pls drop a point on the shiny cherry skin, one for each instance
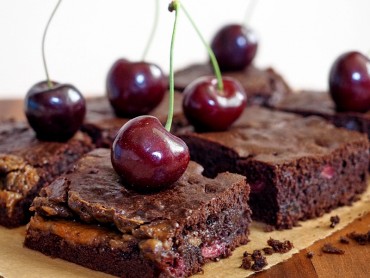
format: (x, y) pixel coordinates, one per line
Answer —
(146, 156)
(209, 109)
(349, 82)
(235, 47)
(135, 88)
(56, 113)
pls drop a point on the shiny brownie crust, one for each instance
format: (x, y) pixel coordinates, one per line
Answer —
(298, 168)
(27, 164)
(170, 233)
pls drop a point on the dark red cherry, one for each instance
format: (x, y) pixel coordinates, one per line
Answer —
(135, 88)
(349, 82)
(147, 156)
(234, 46)
(209, 109)
(54, 113)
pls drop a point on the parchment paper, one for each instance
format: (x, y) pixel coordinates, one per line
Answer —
(18, 262)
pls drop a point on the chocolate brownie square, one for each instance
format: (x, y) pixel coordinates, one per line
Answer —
(27, 164)
(261, 85)
(102, 125)
(90, 218)
(298, 168)
(308, 103)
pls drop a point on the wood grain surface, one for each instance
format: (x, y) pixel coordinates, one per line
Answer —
(354, 263)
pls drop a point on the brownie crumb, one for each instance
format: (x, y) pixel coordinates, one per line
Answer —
(361, 239)
(268, 228)
(246, 254)
(310, 255)
(268, 250)
(259, 263)
(280, 246)
(344, 240)
(330, 249)
(334, 220)
(256, 254)
(246, 263)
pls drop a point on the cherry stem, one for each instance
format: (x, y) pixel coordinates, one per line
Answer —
(174, 6)
(249, 11)
(152, 32)
(50, 85)
(216, 67)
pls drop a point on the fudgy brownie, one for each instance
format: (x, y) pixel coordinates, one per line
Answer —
(298, 168)
(102, 125)
(308, 103)
(88, 217)
(27, 164)
(261, 86)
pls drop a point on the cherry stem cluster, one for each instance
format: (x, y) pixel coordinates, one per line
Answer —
(153, 31)
(50, 85)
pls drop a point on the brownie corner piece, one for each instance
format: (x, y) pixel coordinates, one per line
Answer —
(170, 233)
(27, 164)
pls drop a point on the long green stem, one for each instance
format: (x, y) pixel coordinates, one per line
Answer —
(50, 85)
(152, 32)
(175, 6)
(212, 56)
(249, 11)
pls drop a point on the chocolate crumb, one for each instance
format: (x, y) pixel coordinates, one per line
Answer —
(246, 263)
(334, 220)
(280, 246)
(246, 254)
(344, 240)
(256, 254)
(268, 250)
(310, 255)
(259, 263)
(268, 228)
(361, 239)
(330, 249)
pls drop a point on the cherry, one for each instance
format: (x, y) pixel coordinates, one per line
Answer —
(234, 46)
(54, 113)
(147, 156)
(349, 82)
(208, 108)
(135, 88)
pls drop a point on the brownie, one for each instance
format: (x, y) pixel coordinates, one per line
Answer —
(27, 164)
(102, 125)
(298, 168)
(90, 218)
(261, 85)
(308, 103)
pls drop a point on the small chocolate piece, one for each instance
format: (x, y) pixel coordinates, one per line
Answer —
(310, 254)
(344, 240)
(259, 263)
(334, 220)
(280, 246)
(330, 249)
(256, 254)
(246, 263)
(246, 254)
(268, 251)
(361, 239)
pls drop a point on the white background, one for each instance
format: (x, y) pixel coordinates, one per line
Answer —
(300, 38)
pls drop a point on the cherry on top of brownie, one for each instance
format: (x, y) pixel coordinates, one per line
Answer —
(261, 85)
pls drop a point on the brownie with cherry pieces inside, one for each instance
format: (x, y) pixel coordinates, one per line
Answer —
(90, 218)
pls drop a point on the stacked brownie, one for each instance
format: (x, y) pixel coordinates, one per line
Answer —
(27, 164)
(89, 217)
(261, 86)
(298, 168)
(102, 125)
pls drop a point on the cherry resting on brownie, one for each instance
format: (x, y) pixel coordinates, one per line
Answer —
(135, 88)
(147, 156)
(349, 82)
(234, 46)
(55, 113)
(207, 108)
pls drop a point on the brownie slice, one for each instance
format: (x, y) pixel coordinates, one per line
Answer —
(27, 164)
(261, 86)
(308, 103)
(102, 124)
(298, 168)
(90, 218)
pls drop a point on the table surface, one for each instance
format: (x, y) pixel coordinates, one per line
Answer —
(354, 263)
